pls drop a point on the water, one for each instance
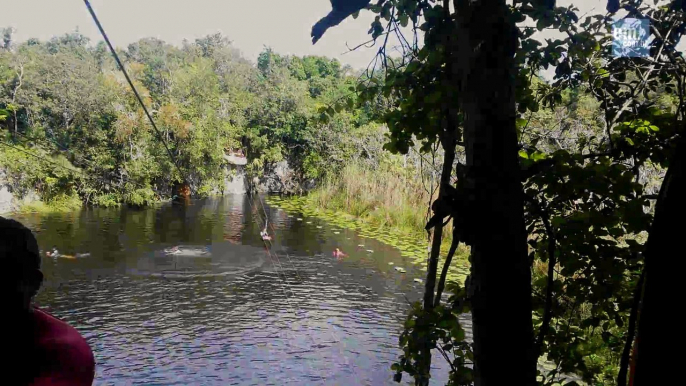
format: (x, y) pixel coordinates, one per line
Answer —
(233, 313)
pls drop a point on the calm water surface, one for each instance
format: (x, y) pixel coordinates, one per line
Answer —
(233, 313)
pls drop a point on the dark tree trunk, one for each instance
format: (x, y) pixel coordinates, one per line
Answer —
(660, 322)
(446, 172)
(448, 143)
(500, 278)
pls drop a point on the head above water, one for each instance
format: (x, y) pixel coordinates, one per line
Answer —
(20, 261)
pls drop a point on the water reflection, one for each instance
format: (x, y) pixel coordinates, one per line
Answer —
(235, 314)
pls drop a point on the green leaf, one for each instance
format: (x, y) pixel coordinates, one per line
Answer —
(412, 67)
(459, 335)
(433, 97)
(404, 20)
(540, 25)
(537, 156)
(558, 221)
(523, 154)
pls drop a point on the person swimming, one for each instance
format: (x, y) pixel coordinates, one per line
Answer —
(54, 253)
(172, 251)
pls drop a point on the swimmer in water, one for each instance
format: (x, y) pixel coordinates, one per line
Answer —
(52, 253)
(172, 250)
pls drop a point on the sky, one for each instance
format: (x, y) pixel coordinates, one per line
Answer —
(283, 25)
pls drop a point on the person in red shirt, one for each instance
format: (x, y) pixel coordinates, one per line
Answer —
(42, 350)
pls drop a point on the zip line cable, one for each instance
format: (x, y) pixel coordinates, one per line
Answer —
(133, 88)
(281, 284)
(269, 253)
(269, 244)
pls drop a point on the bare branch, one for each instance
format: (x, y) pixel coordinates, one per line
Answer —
(446, 266)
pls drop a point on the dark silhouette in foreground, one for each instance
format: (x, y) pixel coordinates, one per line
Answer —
(42, 350)
(341, 10)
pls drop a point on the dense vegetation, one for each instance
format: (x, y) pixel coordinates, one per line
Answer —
(582, 155)
(72, 130)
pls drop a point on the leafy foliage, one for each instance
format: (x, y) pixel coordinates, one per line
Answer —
(67, 97)
(594, 142)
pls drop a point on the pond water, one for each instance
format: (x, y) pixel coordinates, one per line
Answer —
(223, 309)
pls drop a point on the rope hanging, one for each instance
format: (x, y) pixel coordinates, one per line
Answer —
(268, 244)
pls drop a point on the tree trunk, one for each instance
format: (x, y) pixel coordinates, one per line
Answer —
(446, 172)
(500, 278)
(448, 142)
(660, 322)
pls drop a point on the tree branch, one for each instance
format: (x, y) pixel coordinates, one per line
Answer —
(540, 166)
(448, 159)
(447, 359)
(446, 266)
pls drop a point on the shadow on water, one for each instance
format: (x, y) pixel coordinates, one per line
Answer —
(220, 308)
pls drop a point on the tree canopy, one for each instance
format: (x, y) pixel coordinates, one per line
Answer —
(66, 99)
(593, 144)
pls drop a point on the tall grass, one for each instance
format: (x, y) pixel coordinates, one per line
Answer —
(386, 196)
(60, 203)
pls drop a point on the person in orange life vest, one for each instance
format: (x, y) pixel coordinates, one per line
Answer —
(42, 350)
